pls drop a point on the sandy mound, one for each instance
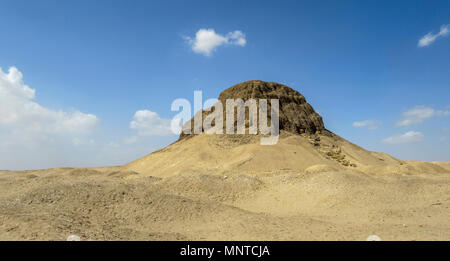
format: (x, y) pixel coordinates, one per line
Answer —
(221, 154)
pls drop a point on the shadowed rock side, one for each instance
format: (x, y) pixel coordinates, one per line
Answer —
(295, 116)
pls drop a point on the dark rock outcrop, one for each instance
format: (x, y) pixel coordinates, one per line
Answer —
(295, 114)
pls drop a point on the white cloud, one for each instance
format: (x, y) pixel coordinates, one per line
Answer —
(443, 113)
(429, 38)
(416, 115)
(370, 124)
(148, 123)
(20, 114)
(206, 41)
(408, 137)
(419, 114)
(33, 136)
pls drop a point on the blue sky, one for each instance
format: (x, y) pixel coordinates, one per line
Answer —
(94, 64)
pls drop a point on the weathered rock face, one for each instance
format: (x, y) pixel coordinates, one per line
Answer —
(295, 114)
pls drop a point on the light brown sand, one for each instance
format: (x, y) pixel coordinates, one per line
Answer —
(231, 188)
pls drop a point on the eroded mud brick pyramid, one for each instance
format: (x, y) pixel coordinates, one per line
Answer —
(295, 114)
(304, 145)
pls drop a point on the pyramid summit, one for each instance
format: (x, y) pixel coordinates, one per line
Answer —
(295, 114)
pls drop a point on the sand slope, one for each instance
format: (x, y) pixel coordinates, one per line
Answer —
(244, 154)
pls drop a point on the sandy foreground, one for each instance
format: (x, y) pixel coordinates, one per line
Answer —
(216, 188)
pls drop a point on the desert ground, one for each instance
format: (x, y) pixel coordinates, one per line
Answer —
(230, 188)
